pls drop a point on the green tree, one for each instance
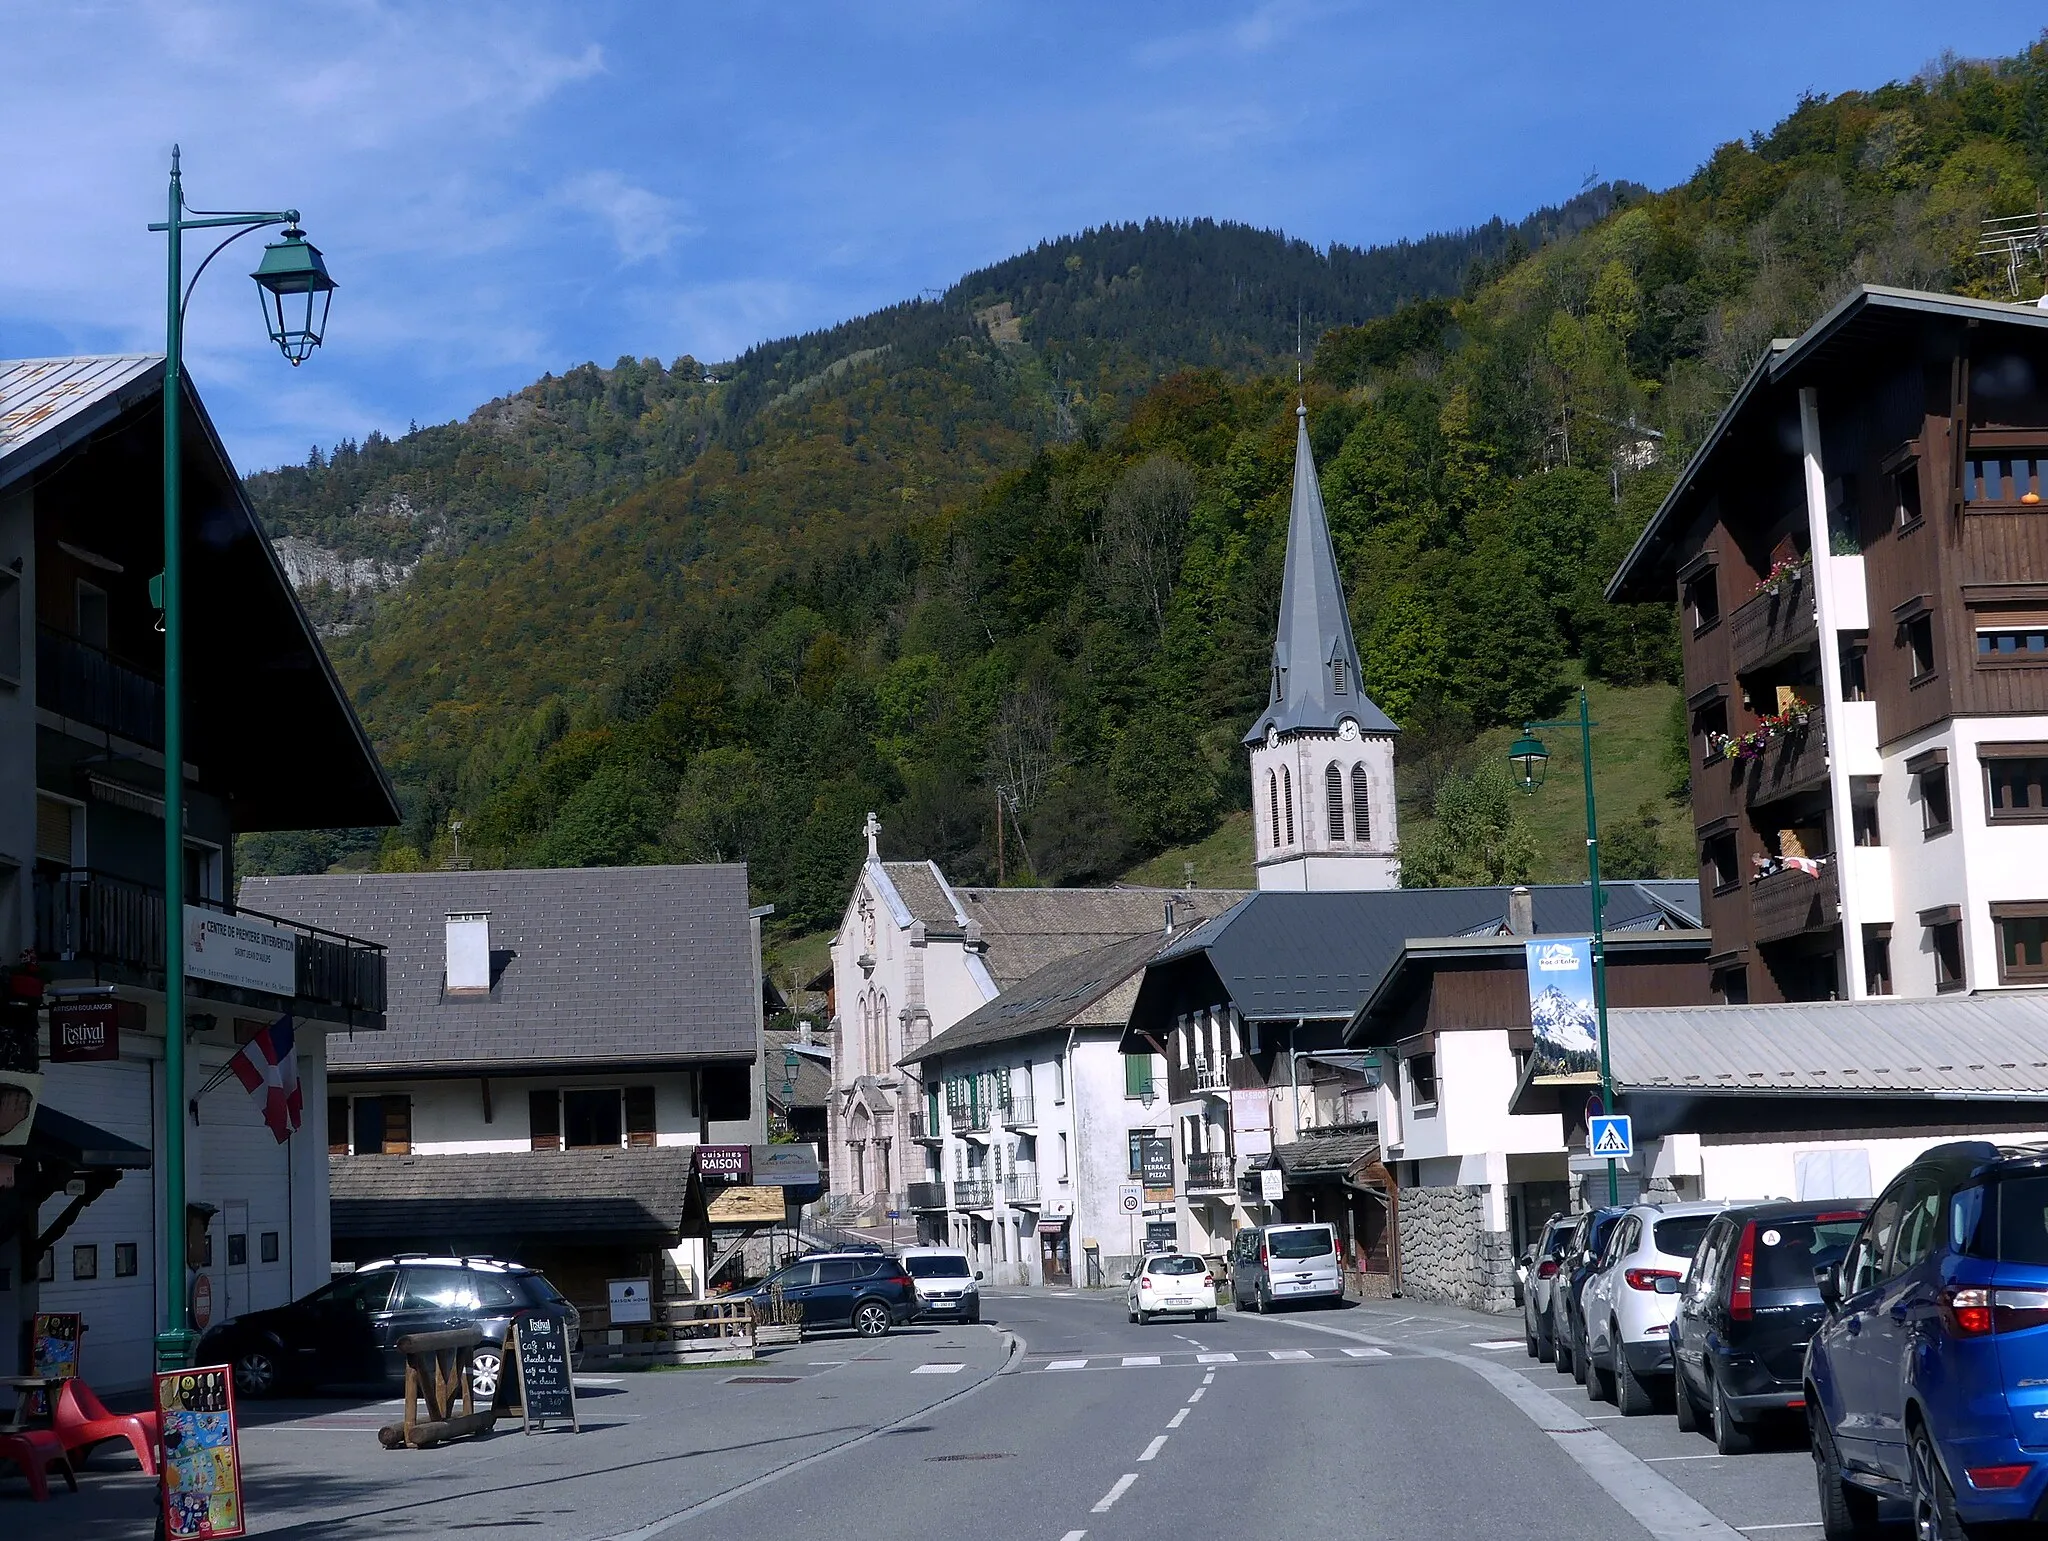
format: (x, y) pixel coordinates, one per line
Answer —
(1164, 788)
(1478, 837)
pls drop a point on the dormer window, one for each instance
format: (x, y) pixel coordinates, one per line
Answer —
(1337, 680)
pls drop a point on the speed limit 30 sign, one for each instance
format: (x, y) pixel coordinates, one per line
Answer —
(1130, 1198)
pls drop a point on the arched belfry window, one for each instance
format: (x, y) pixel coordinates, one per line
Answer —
(1273, 798)
(1338, 683)
(1287, 796)
(1361, 802)
(1333, 784)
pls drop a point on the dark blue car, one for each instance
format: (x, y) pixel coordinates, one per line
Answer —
(1581, 1253)
(1929, 1380)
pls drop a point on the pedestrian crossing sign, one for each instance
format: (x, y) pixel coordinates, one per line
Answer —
(1610, 1134)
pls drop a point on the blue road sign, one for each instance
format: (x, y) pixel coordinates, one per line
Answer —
(1611, 1134)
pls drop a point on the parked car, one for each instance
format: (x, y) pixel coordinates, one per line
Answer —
(1540, 1265)
(1928, 1380)
(1589, 1235)
(346, 1332)
(947, 1285)
(1630, 1298)
(1171, 1282)
(869, 1292)
(1273, 1264)
(1751, 1302)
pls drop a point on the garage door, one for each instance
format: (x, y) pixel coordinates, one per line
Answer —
(242, 1173)
(104, 1267)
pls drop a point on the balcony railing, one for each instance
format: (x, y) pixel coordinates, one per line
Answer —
(1019, 1113)
(105, 922)
(76, 679)
(925, 1129)
(1210, 1077)
(1210, 1169)
(927, 1195)
(970, 1117)
(1772, 626)
(1793, 762)
(1021, 1188)
(972, 1193)
(1790, 903)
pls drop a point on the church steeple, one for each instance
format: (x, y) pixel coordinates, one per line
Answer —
(1316, 678)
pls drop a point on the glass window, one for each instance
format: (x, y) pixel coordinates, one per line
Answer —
(1946, 940)
(591, 1120)
(1788, 1251)
(1174, 1265)
(1421, 1079)
(1866, 1262)
(266, 1247)
(1680, 1237)
(1138, 1077)
(371, 1291)
(929, 1267)
(1919, 633)
(2016, 788)
(495, 1291)
(539, 1291)
(839, 1270)
(1919, 1228)
(1935, 815)
(85, 1261)
(437, 1289)
(1877, 960)
(2012, 644)
(1307, 1241)
(1703, 600)
(124, 1259)
(2023, 1220)
(2022, 947)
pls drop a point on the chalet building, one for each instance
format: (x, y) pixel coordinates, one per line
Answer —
(270, 743)
(567, 1050)
(1253, 1014)
(1860, 555)
(913, 956)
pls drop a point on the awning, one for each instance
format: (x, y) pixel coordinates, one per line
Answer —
(59, 1136)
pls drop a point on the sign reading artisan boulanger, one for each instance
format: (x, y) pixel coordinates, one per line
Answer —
(86, 1028)
(233, 950)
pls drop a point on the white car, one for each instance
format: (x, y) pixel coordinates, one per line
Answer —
(1631, 1298)
(1171, 1282)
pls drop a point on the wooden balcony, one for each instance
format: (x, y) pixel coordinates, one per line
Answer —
(1790, 903)
(1771, 627)
(1210, 1075)
(1792, 763)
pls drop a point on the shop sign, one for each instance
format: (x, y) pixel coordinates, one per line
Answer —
(234, 950)
(85, 1028)
(725, 1163)
(1156, 1154)
(1161, 1235)
(1272, 1184)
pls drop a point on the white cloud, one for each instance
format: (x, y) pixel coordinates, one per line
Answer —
(643, 224)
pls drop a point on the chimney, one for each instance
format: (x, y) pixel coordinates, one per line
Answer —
(803, 1030)
(1521, 912)
(1169, 916)
(469, 954)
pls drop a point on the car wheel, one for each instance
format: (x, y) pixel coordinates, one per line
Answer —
(1934, 1501)
(1730, 1437)
(1143, 1318)
(1599, 1380)
(485, 1366)
(871, 1319)
(1847, 1512)
(1579, 1365)
(1561, 1354)
(1529, 1338)
(974, 1316)
(1265, 1300)
(1546, 1348)
(1631, 1396)
(1682, 1404)
(256, 1371)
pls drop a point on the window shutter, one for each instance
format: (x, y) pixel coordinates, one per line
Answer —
(397, 1125)
(53, 830)
(1333, 786)
(1287, 796)
(1361, 812)
(544, 1115)
(337, 1126)
(640, 1115)
(1137, 1075)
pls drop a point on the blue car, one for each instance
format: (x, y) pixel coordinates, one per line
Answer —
(1928, 1382)
(1575, 1267)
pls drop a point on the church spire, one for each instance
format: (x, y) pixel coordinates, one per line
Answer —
(1316, 682)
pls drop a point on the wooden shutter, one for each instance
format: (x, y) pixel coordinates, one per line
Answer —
(337, 1126)
(397, 1125)
(53, 830)
(639, 1115)
(1137, 1075)
(544, 1113)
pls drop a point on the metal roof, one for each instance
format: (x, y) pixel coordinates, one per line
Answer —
(1985, 1046)
(1825, 339)
(49, 404)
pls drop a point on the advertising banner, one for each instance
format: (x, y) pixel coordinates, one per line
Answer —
(202, 1470)
(85, 1028)
(1157, 1154)
(233, 950)
(1561, 1005)
(725, 1163)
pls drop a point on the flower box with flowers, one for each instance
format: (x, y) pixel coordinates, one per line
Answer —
(1785, 576)
(1741, 748)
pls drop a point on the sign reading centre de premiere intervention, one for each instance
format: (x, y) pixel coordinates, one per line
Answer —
(233, 950)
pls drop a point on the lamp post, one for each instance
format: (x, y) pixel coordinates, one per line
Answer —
(1531, 759)
(295, 292)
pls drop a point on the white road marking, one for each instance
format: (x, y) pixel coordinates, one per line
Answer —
(1068, 1364)
(1073, 1535)
(938, 1369)
(1289, 1353)
(1366, 1353)
(1196, 1394)
(1123, 1486)
(1788, 1525)
(1215, 1359)
(1177, 1419)
(815, 1364)
(1657, 1460)
(599, 1380)
(1134, 1359)
(1158, 1444)
(1493, 1345)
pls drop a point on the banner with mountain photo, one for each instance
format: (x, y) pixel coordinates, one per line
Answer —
(1561, 1005)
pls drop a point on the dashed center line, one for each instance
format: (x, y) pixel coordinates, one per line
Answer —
(1177, 1419)
(1123, 1486)
(1158, 1444)
(1196, 1396)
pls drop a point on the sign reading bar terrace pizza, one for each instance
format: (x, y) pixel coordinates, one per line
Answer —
(725, 1163)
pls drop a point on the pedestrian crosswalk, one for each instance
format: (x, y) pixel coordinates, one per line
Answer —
(1045, 1362)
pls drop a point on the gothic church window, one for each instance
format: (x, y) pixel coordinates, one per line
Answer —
(1361, 818)
(1333, 784)
(1273, 797)
(1287, 796)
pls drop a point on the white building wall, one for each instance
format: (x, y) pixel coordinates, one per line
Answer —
(1771, 1170)
(1311, 860)
(448, 1114)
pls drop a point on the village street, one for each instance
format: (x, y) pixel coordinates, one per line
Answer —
(1386, 1420)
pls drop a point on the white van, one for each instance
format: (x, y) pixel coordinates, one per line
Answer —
(1274, 1264)
(947, 1285)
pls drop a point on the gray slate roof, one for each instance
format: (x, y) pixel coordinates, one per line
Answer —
(1027, 928)
(1283, 955)
(1315, 626)
(429, 1202)
(813, 1087)
(1056, 996)
(923, 893)
(1326, 1153)
(607, 965)
(1987, 1046)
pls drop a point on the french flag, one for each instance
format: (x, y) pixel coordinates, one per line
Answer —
(268, 1066)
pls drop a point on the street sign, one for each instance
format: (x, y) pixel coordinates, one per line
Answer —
(1130, 1198)
(1611, 1135)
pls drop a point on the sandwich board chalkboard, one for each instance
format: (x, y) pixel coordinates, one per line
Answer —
(547, 1387)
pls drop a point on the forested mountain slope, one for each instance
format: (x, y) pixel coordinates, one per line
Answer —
(981, 549)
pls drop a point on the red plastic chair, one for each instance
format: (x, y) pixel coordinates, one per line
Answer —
(35, 1451)
(82, 1423)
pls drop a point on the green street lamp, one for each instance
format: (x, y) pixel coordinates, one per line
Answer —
(293, 285)
(1531, 759)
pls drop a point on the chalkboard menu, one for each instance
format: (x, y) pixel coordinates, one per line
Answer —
(546, 1387)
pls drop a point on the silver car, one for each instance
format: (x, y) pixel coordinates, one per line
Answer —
(1541, 1264)
(1273, 1264)
(1630, 1299)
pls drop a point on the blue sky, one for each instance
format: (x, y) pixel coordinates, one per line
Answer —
(512, 188)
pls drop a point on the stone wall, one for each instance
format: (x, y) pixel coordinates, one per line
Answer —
(1448, 1255)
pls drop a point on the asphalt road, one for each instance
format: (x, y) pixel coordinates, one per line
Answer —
(1058, 1420)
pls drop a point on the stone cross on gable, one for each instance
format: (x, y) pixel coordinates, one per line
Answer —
(872, 829)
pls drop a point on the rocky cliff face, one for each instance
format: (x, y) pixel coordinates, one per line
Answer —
(310, 567)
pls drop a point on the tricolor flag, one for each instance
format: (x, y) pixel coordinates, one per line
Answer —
(268, 1065)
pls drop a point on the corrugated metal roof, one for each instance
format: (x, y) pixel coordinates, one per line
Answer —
(48, 404)
(1974, 1046)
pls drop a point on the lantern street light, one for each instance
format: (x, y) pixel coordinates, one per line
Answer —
(1531, 759)
(295, 291)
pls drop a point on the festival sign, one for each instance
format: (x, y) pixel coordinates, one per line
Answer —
(202, 1466)
(1561, 1006)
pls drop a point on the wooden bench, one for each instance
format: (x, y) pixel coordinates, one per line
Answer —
(440, 1369)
